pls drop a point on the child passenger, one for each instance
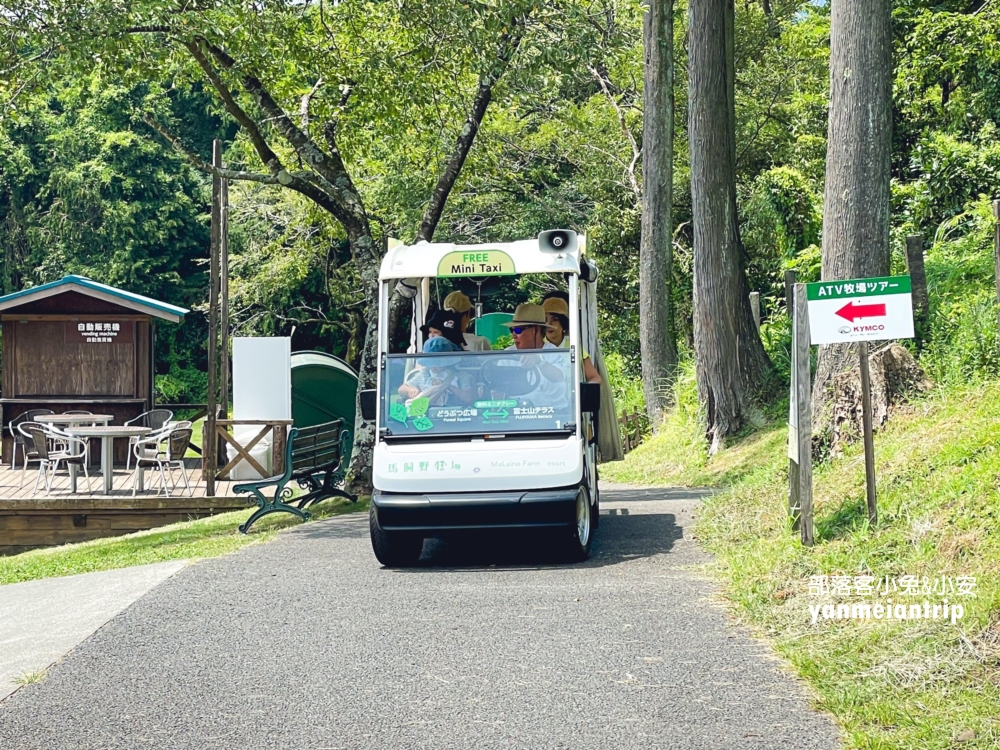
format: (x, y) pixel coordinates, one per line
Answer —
(435, 379)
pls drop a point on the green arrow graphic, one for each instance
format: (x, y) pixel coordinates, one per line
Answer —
(502, 414)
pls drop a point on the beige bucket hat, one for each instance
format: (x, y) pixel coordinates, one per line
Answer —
(457, 302)
(529, 315)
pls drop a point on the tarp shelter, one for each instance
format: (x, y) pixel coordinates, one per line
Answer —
(491, 325)
(324, 388)
(78, 344)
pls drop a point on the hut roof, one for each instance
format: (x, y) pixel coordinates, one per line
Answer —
(90, 288)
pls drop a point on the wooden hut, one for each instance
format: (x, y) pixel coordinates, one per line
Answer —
(78, 344)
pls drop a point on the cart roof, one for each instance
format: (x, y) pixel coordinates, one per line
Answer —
(448, 260)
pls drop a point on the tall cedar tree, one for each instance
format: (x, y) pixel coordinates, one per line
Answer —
(656, 330)
(733, 370)
(856, 199)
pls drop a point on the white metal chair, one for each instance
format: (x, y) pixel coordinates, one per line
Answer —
(28, 453)
(155, 419)
(163, 451)
(61, 438)
(158, 435)
(49, 459)
(20, 438)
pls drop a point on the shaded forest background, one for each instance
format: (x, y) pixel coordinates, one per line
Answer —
(87, 187)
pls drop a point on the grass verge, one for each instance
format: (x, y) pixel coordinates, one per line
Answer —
(924, 684)
(203, 537)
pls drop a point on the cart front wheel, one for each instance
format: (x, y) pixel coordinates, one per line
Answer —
(394, 549)
(581, 531)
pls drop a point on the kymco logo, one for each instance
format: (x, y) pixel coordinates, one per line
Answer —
(869, 329)
(844, 329)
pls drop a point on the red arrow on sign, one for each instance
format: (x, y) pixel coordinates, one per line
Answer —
(852, 312)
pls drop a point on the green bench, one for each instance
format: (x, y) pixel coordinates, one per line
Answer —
(313, 459)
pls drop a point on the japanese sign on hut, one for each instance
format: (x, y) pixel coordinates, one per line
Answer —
(78, 344)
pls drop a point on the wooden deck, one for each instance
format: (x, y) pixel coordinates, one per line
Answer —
(11, 487)
(31, 519)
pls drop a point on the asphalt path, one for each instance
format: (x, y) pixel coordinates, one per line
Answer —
(306, 642)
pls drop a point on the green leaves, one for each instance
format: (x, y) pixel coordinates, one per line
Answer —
(417, 410)
(423, 424)
(398, 412)
(418, 407)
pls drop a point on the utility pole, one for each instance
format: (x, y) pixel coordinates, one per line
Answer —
(209, 447)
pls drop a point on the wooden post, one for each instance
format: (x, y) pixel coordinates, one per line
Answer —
(866, 419)
(918, 281)
(803, 413)
(794, 506)
(210, 441)
(755, 308)
(279, 442)
(224, 304)
(789, 292)
(996, 257)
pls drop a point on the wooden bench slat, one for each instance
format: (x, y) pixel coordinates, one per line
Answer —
(313, 444)
(309, 453)
(324, 437)
(319, 450)
(317, 463)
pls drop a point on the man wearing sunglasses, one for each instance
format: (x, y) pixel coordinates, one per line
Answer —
(528, 328)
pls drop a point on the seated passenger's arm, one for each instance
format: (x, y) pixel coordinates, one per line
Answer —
(590, 372)
(463, 389)
(552, 372)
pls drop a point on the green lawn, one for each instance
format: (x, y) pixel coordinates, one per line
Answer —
(205, 537)
(890, 684)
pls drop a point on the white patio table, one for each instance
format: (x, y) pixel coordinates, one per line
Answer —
(74, 420)
(107, 434)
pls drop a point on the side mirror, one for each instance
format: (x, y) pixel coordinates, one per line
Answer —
(590, 397)
(369, 402)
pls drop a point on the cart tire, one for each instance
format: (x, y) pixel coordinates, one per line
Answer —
(394, 549)
(581, 531)
(595, 521)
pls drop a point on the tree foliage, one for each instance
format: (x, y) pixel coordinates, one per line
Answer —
(88, 186)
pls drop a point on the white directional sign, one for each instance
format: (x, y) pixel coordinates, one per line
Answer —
(860, 310)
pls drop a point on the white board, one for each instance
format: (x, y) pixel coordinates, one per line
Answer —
(262, 378)
(876, 309)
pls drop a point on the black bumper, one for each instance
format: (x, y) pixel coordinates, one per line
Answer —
(476, 510)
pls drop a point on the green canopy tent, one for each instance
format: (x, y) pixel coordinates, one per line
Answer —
(324, 388)
(491, 325)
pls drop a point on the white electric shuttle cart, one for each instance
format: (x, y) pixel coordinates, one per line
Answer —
(513, 444)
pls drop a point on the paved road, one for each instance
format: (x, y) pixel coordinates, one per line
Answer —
(306, 642)
(40, 621)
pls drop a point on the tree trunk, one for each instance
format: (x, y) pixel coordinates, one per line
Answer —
(894, 375)
(656, 329)
(856, 200)
(507, 47)
(732, 366)
(359, 472)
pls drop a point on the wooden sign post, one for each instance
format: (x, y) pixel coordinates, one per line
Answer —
(996, 256)
(856, 311)
(866, 419)
(800, 422)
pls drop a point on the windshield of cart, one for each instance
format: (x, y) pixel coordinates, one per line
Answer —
(478, 393)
